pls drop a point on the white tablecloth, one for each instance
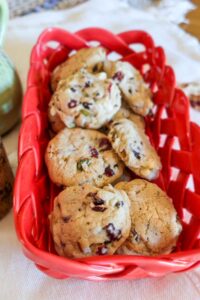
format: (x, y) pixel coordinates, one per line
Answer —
(19, 279)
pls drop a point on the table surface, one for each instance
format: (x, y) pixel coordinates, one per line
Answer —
(15, 269)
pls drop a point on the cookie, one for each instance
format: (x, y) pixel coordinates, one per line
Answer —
(125, 113)
(155, 226)
(56, 123)
(90, 221)
(192, 91)
(85, 100)
(90, 58)
(133, 146)
(134, 89)
(77, 156)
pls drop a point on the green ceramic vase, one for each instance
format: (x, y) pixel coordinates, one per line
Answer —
(10, 86)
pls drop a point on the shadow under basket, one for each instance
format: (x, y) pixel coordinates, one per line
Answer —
(176, 139)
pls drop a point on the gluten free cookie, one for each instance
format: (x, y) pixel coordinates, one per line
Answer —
(134, 89)
(133, 146)
(90, 221)
(84, 100)
(88, 58)
(155, 226)
(77, 156)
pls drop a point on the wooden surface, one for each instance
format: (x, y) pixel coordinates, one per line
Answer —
(193, 17)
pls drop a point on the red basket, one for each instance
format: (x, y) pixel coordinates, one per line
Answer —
(175, 137)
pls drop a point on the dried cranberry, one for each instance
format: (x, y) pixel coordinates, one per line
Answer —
(62, 244)
(72, 103)
(94, 152)
(150, 113)
(98, 201)
(104, 144)
(194, 103)
(87, 84)
(87, 105)
(109, 172)
(109, 87)
(119, 203)
(102, 250)
(66, 219)
(118, 75)
(99, 208)
(137, 154)
(113, 233)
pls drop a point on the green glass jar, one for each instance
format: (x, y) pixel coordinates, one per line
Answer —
(10, 86)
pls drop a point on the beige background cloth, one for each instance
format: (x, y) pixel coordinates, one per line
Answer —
(19, 278)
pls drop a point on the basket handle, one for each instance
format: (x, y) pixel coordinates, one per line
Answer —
(58, 35)
(80, 38)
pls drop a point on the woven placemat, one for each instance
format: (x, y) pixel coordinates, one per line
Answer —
(21, 7)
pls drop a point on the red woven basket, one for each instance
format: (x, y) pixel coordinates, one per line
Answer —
(170, 130)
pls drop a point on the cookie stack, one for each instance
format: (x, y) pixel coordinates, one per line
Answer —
(97, 114)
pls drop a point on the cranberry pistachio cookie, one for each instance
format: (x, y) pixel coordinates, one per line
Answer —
(84, 100)
(133, 146)
(134, 89)
(155, 226)
(77, 156)
(89, 58)
(90, 221)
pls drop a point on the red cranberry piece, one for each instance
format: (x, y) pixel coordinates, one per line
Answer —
(102, 250)
(119, 203)
(62, 244)
(96, 200)
(66, 219)
(86, 105)
(109, 172)
(109, 87)
(118, 75)
(99, 208)
(94, 153)
(87, 84)
(72, 103)
(112, 232)
(137, 154)
(195, 104)
(104, 144)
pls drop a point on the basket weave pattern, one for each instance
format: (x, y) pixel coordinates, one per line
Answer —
(169, 128)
